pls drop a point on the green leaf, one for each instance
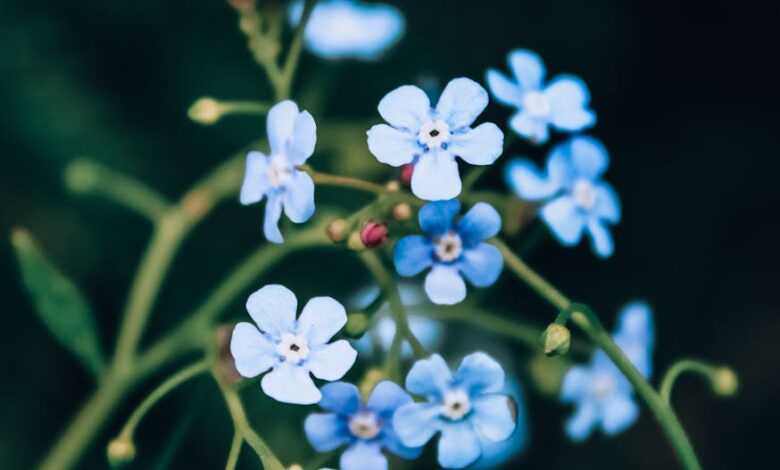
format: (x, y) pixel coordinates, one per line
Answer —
(59, 304)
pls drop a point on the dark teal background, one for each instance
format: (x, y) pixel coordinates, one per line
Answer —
(687, 97)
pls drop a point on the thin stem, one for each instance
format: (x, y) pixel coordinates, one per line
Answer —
(545, 290)
(343, 181)
(472, 177)
(252, 108)
(235, 451)
(391, 366)
(294, 53)
(708, 371)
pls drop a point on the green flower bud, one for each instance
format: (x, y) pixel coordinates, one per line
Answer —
(357, 324)
(556, 340)
(724, 382)
(120, 451)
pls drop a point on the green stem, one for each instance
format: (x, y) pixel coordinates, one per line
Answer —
(294, 53)
(708, 371)
(252, 108)
(472, 177)
(536, 282)
(235, 451)
(343, 181)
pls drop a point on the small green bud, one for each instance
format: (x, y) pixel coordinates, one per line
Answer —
(355, 242)
(81, 176)
(206, 111)
(120, 451)
(357, 324)
(725, 382)
(337, 230)
(556, 340)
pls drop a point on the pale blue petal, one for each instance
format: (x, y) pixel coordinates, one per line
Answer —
(635, 320)
(498, 454)
(482, 265)
(252, 351)
(503, 89)
(601, 239)
(290, 384)
(428, 377)
(304, 139)
(299, 197)
(256, 182)
(528, 182)
(273, 308)
(607, 204)
(363, 455)
(412, 254)
(580, 425)
(273, 211)
(568, 97)
(530, 127)
(280, 125)
(528, 69)
(331, 362)
(493, 417)
(619, 413)
(416, 423)
(436, 176)
(341, 398)
(479, 373)
(436, 218)
(575, 384)
(588, 156)
(326, 431)
(461, 102)
(559, 166)
(386, 397)
(392, 146)
(321, 319)
(564, 219)
(481, 222)
(458, 445)
(444, 285)
(392, 443)
(479, 146)
(406, 107)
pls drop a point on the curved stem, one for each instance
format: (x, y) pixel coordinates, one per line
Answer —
(294, 53)
(235, 451)
(680, 367)
(252, 108)
(343, 181)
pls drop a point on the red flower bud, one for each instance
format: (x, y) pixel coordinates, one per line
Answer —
(373, 234)
(406, 174)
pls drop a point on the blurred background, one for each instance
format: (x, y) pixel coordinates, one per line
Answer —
(686, 95)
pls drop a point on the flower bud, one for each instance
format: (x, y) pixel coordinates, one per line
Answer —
(402, 212)
(556, 340)
(357, 324)
(205, 111)
(337, 230)
(81, 176)
(120, 451)
(242, 5)
(373, 234)
(406, 174)
(724, 382)
(393, 186)
(546, 373)
(295, 466)
(355, 243)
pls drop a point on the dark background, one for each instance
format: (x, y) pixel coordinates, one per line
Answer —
(686, 94)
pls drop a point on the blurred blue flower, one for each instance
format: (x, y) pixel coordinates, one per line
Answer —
(602, 395)
(465, 407)
(432, 138)
(452, 250)
(561, 104)
(575, 199)
(344, 29)
(291, 348)
(292, 136)
(365, 428)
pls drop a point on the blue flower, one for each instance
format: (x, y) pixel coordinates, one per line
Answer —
(452, 250)
(291, 348)
(432, 138)
(343, 29)
(562, 103)
(365, 428)
(292, 136)
(575, 199)
(497, 454)
(465, 407)
(602, 395)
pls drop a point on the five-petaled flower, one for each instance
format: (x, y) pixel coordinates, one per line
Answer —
(292, 135)
(452, 250)
(431, 138)
(465, 407)
(602, 395)
(562, 103)
(292, 348)
(574, 196)
(366, 428)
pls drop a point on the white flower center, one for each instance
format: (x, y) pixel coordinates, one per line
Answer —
(602, 386)
(279, 170)
(456, 404)
(365, 425)
(584, 194)
(449, 247)
(536, 104)
(292, 348)
(434, 134)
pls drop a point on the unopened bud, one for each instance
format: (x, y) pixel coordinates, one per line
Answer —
(81, 176)
(725, 382)
(373, 234)
(393, 186)
(355, 243)
(402, 212)
(373, 376)
(556, 340)
(357, 324)
(205, 111)
(295, 466)
(120, 451)
(546, 373)
(337, 230)
(406, 174)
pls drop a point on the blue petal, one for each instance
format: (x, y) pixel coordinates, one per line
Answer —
(461, 102)
(493, 417)
(326, 431)
(280, 125)
(290, 384)
(386, 398)
(479, 146)
(503, 89)
(303, 139)
(416, 423)
(479, 373)
(528, 69)
(588, 156)
(601, 239)
(619, 413)
(341, 398)
(436, 217)
(498, 454)
(560, 169)
(530, 127)
(363, 455)
(607, 204)
(481, 222)
(436, 177)
(256, 182)
(635, 320)
(273, 211)
(392, 443)
(320, 320)
(428, 377)
(568, 97)
(331, 362)
(575, 384)
(253, 353)
(580, 425)
(406, 107)
(273, 308)
(412, 254)
(299, 197)
(564, 219)
(392, 146)
(482, 265)
(528, 182)
(444, 285)
(458, 445)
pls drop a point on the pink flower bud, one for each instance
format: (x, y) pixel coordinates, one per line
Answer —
(373, 234)
(406, 174)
